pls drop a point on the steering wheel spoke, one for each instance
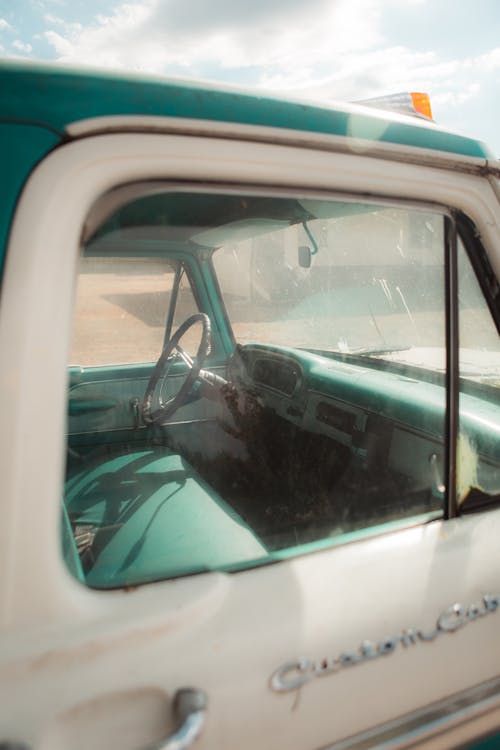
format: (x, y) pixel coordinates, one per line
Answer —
(185, 356)
(167, 408)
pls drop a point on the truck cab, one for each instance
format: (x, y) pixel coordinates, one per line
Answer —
(250, 435)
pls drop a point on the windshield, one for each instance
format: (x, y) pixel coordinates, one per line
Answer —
(353, 279)
(356, 279)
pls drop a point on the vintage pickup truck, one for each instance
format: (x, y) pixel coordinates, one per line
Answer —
(250, 433)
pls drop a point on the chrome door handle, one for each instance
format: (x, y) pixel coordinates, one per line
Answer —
(190, 708)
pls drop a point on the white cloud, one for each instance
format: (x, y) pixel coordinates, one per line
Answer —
(287, 33)
(22, 46)
(490, 61)
(62, 46)
(4, 24)
(322, 48)
(55, 20)
(454, 98)
(371, 72)
(110, 41)
(319, 49)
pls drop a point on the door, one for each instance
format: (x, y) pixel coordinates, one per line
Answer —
(300, 632)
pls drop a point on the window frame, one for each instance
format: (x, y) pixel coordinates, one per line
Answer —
(481, 264)
(73, 176)
(450, 300)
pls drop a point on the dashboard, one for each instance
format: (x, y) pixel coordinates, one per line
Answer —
(384, 418)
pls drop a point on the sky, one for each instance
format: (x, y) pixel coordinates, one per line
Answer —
(317, 50)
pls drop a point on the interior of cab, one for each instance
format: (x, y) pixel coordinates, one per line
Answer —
(255, 376)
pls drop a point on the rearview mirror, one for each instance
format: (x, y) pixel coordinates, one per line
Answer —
(305, 256)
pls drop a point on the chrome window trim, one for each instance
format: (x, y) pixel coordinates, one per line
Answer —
(429, 722)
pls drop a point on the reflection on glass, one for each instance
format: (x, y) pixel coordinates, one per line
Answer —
(317, 416)
(478, 445)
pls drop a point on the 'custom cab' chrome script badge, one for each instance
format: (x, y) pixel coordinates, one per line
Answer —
(294, 674)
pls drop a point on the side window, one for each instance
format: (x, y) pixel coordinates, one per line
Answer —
(321, 419)
(478, 472)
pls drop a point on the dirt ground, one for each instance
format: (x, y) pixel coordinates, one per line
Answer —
(120, 319)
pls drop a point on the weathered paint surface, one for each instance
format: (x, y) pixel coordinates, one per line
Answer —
(22, 146)
(39, 101)
(57, 97)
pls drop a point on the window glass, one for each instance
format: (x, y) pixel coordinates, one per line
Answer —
(372, 285)
(323, 423)
(121, 309)
(478, 471)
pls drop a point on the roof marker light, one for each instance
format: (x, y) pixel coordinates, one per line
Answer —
(413, 103)
(422, 103)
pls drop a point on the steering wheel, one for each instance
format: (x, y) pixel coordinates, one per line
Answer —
(167, 408)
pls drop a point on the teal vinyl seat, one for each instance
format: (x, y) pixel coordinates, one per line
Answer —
(152, 517)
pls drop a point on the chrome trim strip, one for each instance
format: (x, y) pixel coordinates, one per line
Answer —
(142, 427)
(431, 721)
